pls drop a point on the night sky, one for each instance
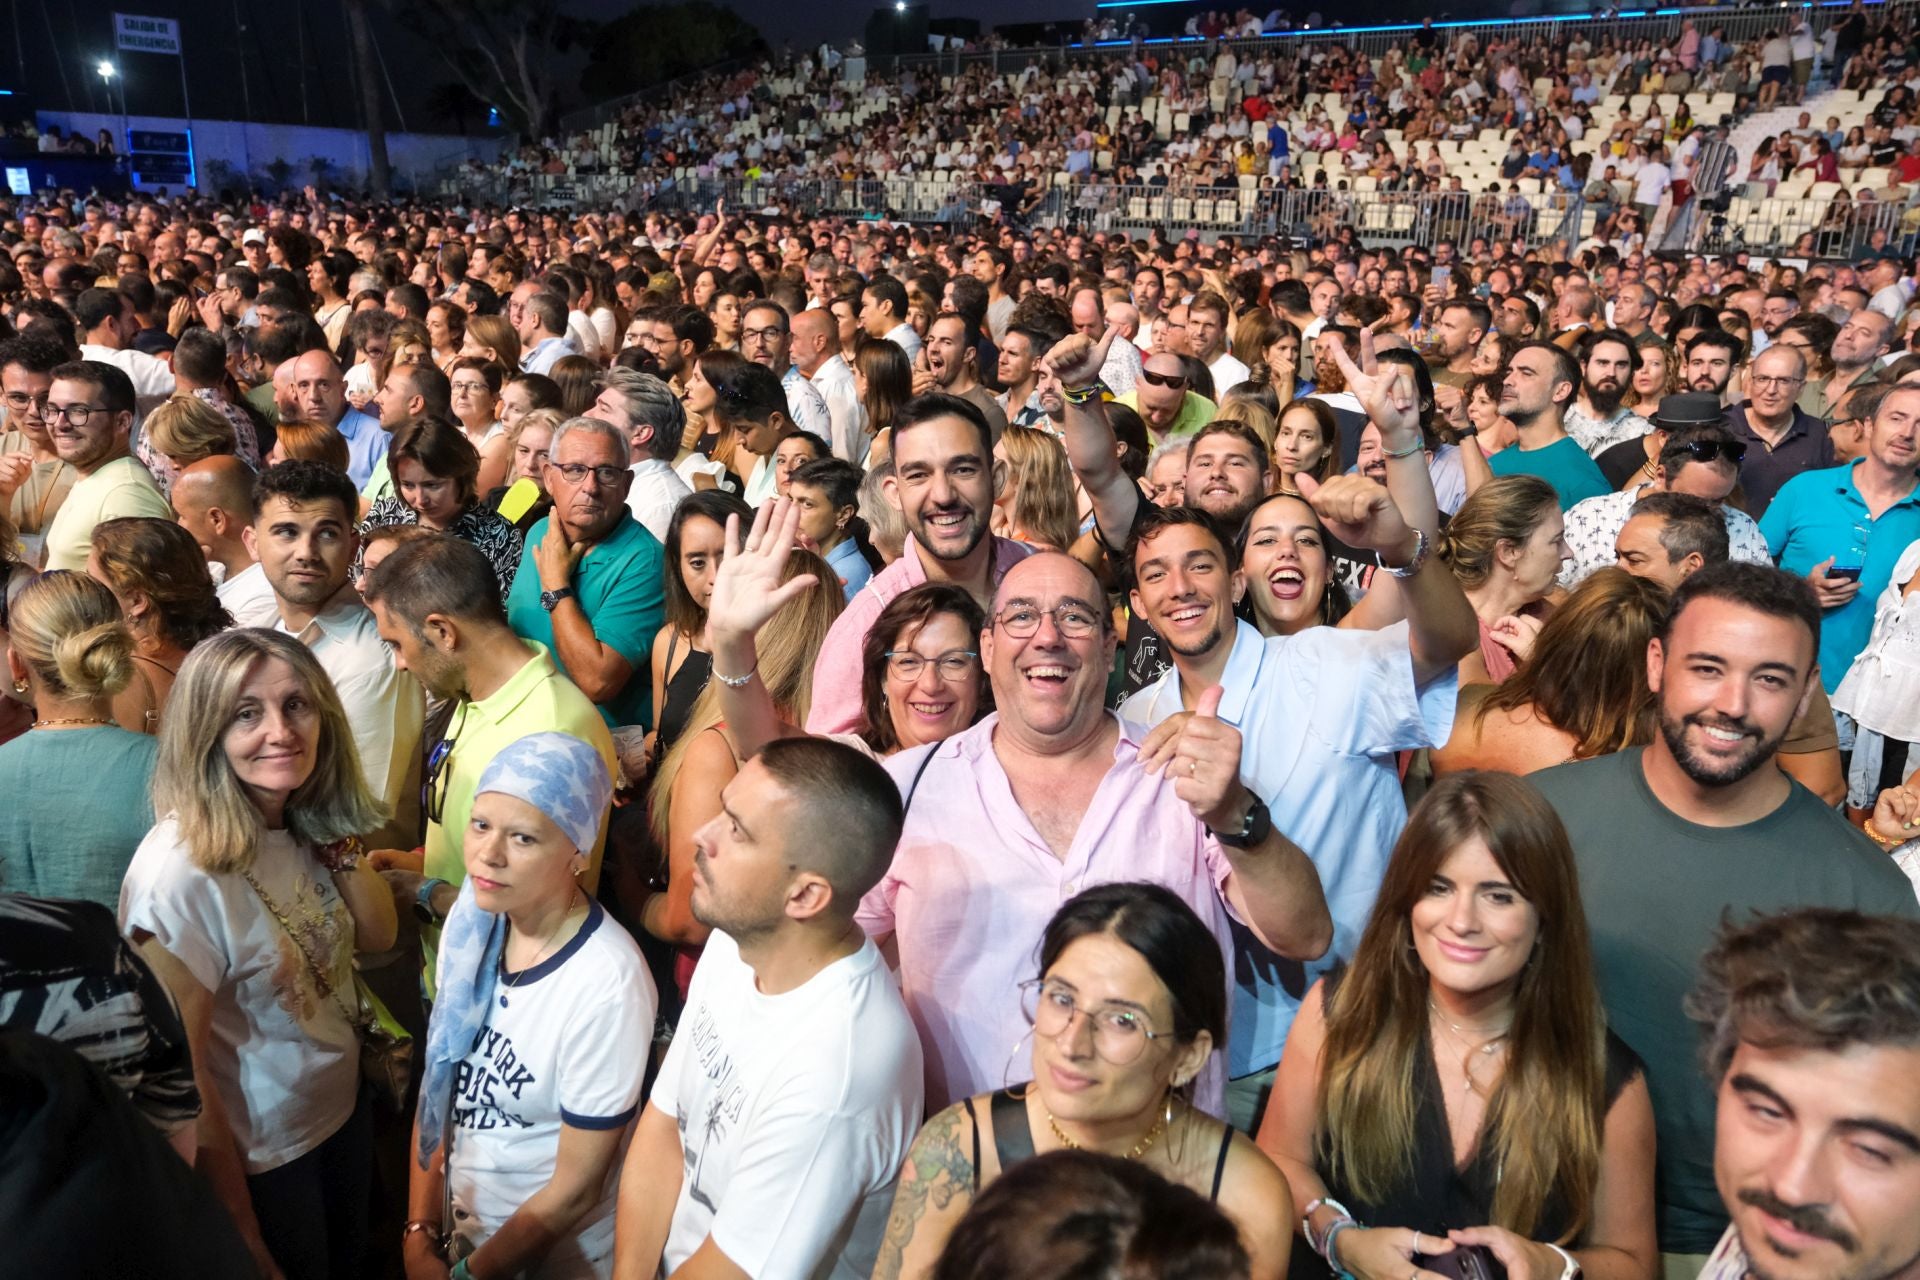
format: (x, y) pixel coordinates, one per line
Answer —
(41, 39)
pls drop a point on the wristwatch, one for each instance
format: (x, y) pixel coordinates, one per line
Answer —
(1254, 828)
(1421, 547)
(423, 901)
(550, 600)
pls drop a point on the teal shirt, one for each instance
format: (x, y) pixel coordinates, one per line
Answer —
(1562, 464)
(75, 808)
(621, 586)
(1818, 514)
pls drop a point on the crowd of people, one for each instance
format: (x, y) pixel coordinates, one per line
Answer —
(777, 745)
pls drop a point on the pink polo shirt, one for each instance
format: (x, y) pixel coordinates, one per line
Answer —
(973, 885)
(836, 672)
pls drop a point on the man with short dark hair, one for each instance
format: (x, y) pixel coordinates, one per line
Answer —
(1673, 837)
(89, 416)
(107, 327)
(1863, 339)
(410, 391)
(883, 314)
(200, 370)
(1813, 1051)
(303, 534)
(436, 604)
(591, 584)
(782, 1161)
(1458, 329)
(1598, 419)
(542, 330)
(34, 482)
(765, 339)
(1541, 383)
(951, 351)
(944, 483)
(1207, 330)
(1669, 537)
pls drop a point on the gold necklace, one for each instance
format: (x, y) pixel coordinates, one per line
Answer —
(71, 720)
(1484, 1050)
(1139, 1148)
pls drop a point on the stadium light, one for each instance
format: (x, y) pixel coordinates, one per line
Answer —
(106, 70)
(899, 6)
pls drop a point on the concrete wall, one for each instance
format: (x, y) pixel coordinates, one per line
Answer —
(248, 149)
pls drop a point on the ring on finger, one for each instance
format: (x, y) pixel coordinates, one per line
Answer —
(1416, 1243)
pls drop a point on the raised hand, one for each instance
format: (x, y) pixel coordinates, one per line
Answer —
(1896, 814)
(1388, 395)
(15, 468)
(1077, 359)
(1360, 513)
(747, 590)
(1206, 765)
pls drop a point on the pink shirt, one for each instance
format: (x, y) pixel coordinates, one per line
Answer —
(973, 885)
(836, 673)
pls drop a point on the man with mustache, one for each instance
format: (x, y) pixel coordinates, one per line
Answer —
(1813, 1043)
(1701, 825)
(1597, 420)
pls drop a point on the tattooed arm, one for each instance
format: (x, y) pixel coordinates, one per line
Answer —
(936, 1186)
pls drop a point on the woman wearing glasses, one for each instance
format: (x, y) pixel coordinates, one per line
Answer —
(1457, 1086)
(435, 468)
(475, 388)
(1130, 1001)
(249, 899)
(33, 479)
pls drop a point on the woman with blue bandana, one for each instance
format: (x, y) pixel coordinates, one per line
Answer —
(538, 1041)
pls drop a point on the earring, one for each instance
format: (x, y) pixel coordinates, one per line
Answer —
(1169, 1114)
(19, 686)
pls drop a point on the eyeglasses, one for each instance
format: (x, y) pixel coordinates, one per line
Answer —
(954, 665)
(21, 402)
(1074, 621)
(576, 473)
(470, 388)
(76, 413)
(1176, 381)
(767, 334)
(1758, 380)
(1120, 1034)
(1708, 450)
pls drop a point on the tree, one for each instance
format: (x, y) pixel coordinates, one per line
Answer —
(654, 43)
(380, 173)
(455, 104)
(506, 52)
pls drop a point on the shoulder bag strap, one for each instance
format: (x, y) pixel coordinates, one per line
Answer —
(320, 979)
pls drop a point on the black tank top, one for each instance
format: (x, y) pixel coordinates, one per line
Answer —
(683, 686)
(1013, 1138)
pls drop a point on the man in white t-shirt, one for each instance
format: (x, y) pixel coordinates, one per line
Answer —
(213, 499)
(1207, 330)
(792, 1092)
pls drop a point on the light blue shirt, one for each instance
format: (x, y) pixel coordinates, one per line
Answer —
(367, 444)
(1320, 715)
(1821, 513)
(849, 565)
(547, 353)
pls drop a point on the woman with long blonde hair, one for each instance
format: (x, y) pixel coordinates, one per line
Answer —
(249, 898)
(686, 788)
(1036, 505)
(1457, 1086)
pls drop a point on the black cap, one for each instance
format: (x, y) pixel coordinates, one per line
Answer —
(1688, 409)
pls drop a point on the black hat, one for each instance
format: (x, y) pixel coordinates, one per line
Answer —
(1688, 409)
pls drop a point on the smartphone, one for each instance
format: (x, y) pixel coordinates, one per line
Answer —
(1845, 572)
(1442, 276)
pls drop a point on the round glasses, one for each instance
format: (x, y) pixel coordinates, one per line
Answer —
(1120, 1033)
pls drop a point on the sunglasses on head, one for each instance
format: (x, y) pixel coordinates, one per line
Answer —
(1708, 450)
(1177, 381)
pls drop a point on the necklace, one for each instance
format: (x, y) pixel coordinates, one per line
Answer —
(70, 720)
(1139, 1148)
(1480, 1052)
(515, 981)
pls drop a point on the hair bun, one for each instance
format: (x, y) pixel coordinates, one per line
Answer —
(96, 662)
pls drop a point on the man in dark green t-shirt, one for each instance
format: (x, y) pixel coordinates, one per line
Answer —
(1702, 825)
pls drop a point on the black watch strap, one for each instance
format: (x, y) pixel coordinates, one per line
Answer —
(1254, 828)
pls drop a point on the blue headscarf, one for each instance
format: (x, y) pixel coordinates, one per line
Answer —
(565, 779)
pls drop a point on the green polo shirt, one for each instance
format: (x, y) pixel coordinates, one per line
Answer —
(1196, 411)
(536, 699)
(621, 586)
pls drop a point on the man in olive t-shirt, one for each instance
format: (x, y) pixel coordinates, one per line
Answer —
(1698, 825)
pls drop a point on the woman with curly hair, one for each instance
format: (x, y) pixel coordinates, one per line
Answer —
(158, 574)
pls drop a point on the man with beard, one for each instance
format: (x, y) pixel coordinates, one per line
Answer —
(591, 584)
(304, 540)
(952, 353)
(1228, 472)
(1713, 356)
(1597, 420)
(436, 606)
(1701, 825)
(1164, 400)
(1813, 1047)
(1321, 714)
(1540, 385)
(88, 415)
(1330, 387)
(943, 485)
(1863, 339)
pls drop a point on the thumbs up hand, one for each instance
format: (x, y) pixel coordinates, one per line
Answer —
(1206, 765)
